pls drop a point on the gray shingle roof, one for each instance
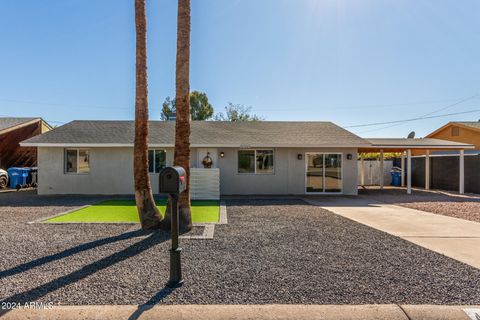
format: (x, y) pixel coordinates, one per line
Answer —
(417, 143)
(204, 133)
(6, 123)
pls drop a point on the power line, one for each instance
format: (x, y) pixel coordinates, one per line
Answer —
(66, 104)
(425, 116)
(416, 119)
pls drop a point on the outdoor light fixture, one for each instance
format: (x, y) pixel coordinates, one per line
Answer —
(222, 154)
(349, 156)
(299, 156)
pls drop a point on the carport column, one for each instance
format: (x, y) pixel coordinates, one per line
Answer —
(382, 166)
(409, 171)
(427, 170)
(362, 170)
(462, 172)
(402, 164)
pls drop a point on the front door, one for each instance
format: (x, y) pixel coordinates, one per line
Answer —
(323, 173)
(202, 153)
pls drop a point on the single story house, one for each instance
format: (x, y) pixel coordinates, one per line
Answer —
(260, 157)
(12, 132)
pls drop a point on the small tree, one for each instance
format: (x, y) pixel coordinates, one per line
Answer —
(237, 112)
(200, 108)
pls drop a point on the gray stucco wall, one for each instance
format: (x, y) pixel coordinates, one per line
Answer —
(288, 177)
(111, 172)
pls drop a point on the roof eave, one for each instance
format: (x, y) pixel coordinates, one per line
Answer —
(469, 146)
(154, 145)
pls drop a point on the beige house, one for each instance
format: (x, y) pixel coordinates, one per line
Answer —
(459, 131)
(248, 158)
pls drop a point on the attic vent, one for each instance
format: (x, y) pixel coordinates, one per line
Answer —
(455, 131)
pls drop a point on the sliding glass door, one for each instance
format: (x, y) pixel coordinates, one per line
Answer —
(323, 172)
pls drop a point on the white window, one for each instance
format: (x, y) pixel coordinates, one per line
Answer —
(156, 160)
(255, 161)
(77, 161)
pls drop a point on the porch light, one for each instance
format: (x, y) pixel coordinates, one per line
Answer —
(349, 156)
(222, 154)
(299, 156)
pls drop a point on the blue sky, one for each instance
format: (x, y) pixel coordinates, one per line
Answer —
(347, 61)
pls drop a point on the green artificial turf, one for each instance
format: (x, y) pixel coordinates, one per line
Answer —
(126, 211)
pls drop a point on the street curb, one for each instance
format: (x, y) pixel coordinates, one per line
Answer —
(244, 312)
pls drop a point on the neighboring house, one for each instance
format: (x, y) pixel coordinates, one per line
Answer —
(459, 131)
(259, 157)
(12, 132)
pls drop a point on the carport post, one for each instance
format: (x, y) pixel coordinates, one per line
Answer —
(462, 172)
(409, 171)
(382, 166)
(402, 164)
(427, 170)
(362, 170)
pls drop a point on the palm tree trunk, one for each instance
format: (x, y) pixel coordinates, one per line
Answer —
(182, 96)
(147, 211)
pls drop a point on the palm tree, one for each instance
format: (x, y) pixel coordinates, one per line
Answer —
(147, 211)
(182, 96)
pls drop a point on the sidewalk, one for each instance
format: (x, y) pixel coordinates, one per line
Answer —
(456, 238)
(244, 312)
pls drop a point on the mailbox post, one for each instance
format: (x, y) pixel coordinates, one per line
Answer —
(173, 181)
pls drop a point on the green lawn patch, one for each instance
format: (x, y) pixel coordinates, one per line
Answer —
(126, 211)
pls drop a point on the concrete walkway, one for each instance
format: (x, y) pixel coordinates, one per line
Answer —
(456, 238)
(244, 312)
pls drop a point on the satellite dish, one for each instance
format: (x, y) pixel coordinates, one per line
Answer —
(411, 135)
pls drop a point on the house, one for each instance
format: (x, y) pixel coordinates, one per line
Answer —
(458, 131)
(12, 132)
(260, 157)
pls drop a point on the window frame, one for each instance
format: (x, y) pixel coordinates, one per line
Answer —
(455, 131)
(77, 150)
(255, 162)
(154, 160)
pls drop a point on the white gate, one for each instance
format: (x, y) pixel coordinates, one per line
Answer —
(372, 172)
(204, 184)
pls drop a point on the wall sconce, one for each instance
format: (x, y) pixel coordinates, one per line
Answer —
(299, 156)
(222, 154)
(349, 156)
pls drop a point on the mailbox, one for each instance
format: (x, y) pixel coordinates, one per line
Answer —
(172, 180)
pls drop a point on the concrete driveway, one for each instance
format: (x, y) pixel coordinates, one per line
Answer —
(456, 238)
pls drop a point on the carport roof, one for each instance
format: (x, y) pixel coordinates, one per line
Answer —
(401, 144)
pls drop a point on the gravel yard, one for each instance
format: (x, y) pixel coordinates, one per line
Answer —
(271, 251)
(453, 205)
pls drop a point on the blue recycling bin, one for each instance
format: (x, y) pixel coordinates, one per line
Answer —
(396, 178)
(18, 177)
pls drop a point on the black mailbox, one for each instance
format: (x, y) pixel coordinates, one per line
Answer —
(172, 180)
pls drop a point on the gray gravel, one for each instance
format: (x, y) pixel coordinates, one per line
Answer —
(272, 251)
(449, 204)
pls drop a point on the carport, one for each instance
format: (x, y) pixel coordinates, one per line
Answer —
(405, 147)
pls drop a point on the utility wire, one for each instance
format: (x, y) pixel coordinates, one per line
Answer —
(425, 116)
(418, 118)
